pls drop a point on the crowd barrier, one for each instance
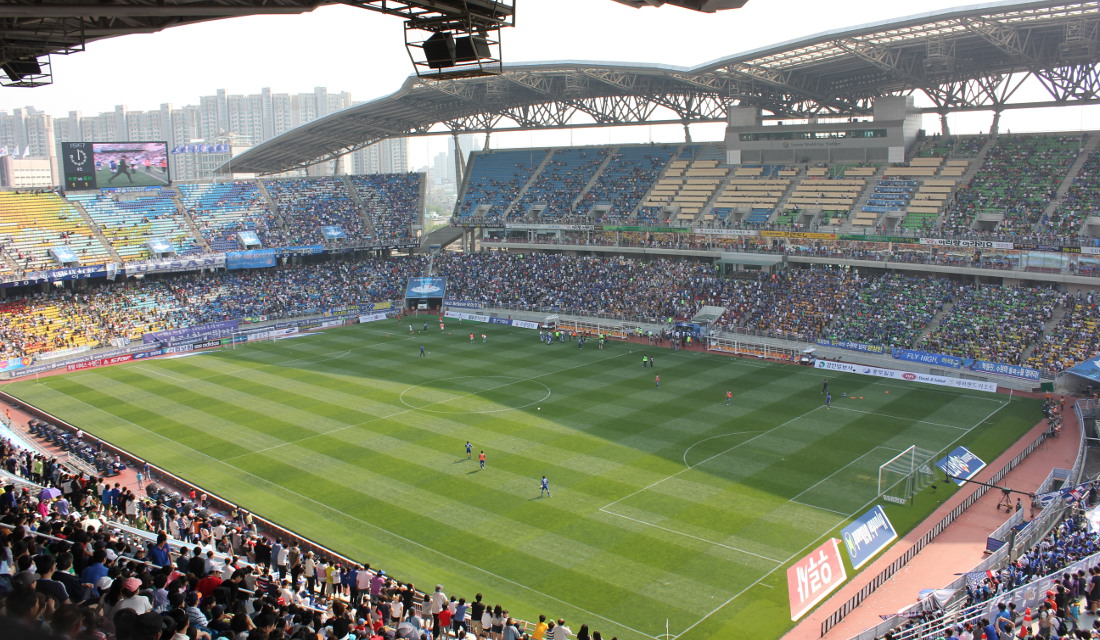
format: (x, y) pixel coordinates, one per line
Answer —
(1034, 532)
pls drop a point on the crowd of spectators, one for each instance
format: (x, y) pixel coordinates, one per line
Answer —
(560, 182)
(1074, 339)
(889, 310)
(1019, 177)
(221, 210)
(496, 179)
(186, 571)
(100, 315)
(1080, 201)
(1060, 615)
(998, 324)
(307, 204)
(994, 323)
(392, 200)
(629, 175)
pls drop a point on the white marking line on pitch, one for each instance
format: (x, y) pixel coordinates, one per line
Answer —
(404, 411)
(861, 456)
(811, 544)
(606, 507)
(883, 415)
(369, 524)
(162, 373)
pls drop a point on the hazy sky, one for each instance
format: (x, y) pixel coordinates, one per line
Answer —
(363, 52)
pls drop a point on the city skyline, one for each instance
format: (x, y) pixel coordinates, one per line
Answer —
(362, 53)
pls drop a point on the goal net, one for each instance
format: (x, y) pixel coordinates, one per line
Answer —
(901, 477)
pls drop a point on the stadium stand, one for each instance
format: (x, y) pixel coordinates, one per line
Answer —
(624, 181)
(392, 201)
(130, 218)
(998, 324)
(224, 209)
(495, 181)
(33, 223)
(891, 310)
(550, 196)
(1011, 189)
(307, 204)
(1081, 201)
(1074, 339)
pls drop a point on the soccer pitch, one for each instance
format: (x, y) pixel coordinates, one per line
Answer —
(668, 505)
(140, 177)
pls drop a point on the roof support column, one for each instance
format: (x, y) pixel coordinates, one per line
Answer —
(945, 129)
(994, 128)
(460, 162)
(687, 132)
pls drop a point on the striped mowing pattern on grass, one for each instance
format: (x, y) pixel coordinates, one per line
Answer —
(668, 504)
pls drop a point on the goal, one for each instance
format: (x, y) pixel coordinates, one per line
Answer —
(901, 477)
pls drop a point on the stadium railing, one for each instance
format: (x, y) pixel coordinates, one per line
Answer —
(1039, 528)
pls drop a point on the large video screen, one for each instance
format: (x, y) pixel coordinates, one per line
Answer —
(99, 165)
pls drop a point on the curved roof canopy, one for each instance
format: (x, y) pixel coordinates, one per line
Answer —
(967, 58)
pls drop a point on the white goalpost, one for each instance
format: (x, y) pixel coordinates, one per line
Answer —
(904, 475)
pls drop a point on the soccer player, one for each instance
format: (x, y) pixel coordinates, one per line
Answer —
(828, 400)
(410, 329)
(123, 170)
(658, 381)
(825, 386)
(421, 351)
(471, 338)
(481, 459)
(729, 397)
(425, 327)
(484, 338)
(544, 487)
(469, 450)
(645, 361)
(441, 327)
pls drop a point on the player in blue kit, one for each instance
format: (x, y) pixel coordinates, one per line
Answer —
(544, 487)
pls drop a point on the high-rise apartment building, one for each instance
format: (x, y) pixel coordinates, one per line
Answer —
(247, 120)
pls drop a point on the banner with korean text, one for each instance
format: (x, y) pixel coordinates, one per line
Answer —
(868, 535)
(814, 577)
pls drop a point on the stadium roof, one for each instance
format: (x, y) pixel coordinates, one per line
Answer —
(968, 58)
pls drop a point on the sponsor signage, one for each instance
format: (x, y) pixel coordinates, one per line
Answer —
(524, 324)
(213, 330)
(925, 357)
(151, 353)
(851, 345)
(253, 259)
(462, 304)
(961, 463)
(908, 376)
(466, 316)
(967, 244)
(216, 261)
(868, 535)
(550, 227)
(500, 321)
(98, 362)
(371, 317)
(813, 577)
(12, 364)
(725, 232)
(798, 234)
(1003, 369)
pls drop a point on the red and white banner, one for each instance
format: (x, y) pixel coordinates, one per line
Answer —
(814, 577)
(98, 362)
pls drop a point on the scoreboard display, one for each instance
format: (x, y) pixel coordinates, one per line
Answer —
(99, 165)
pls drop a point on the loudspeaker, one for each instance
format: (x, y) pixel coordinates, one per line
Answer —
(439, 50)
(471, 49)
(20, 67)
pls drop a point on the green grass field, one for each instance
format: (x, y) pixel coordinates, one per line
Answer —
(154, 178)
(667, 504)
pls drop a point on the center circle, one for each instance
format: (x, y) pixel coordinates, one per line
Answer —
(474, 394)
